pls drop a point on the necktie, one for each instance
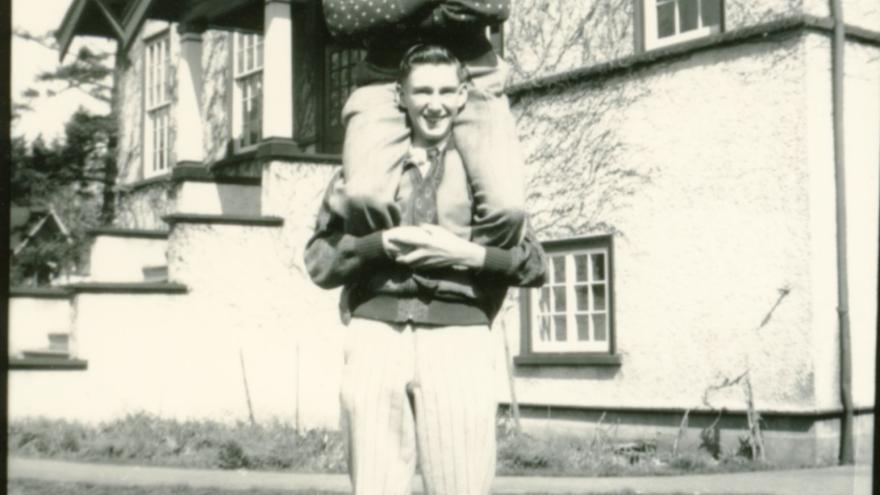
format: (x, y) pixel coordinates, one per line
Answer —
(422, 205)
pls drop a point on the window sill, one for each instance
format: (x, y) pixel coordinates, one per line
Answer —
(162, 178)
(568, 359)
(289, 150)
(47, 363)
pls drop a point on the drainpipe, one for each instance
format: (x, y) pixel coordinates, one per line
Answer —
(846, 455)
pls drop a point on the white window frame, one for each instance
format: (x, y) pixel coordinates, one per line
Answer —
(157, 105)
(247, 88)
(649, 25)
(572, 342)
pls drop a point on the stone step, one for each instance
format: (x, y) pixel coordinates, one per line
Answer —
(119, 255)
(45, 353)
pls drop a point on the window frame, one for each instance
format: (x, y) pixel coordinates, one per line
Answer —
(646, 17)
(531, 353)
(157, 111)
(243, 79)
(330, 138)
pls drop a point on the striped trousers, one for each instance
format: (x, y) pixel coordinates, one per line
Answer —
(409, 393)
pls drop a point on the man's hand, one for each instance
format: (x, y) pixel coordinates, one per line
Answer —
(403, 239)
(436, 247)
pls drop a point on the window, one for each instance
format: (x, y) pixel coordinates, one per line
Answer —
(572, 314)
(323, 80)
(157, 105)
(667, 22)
(247, 91)
(339, 65)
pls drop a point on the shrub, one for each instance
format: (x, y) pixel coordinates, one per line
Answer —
(232, 456)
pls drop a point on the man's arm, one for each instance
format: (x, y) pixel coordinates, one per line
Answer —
(524, 265)
(352, 18)
(452, 13)
(333, 257)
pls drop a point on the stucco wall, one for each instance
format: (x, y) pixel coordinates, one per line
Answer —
(214, 198)
(861, 13)
(702, 179)
(862, 156)
(544, 37)
(217, 89)
(138, 359)
(862, 128)
(293, 191)
(122, 259)
(248, 285)
(32, 319)
(143, 208)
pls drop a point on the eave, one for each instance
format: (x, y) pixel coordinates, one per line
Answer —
(122, 19)
(91, 18)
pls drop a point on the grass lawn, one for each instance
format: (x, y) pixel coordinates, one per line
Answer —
(35, 487)
(146, 440)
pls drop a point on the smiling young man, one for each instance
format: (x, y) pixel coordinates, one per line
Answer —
(376, 134)
(418, 299)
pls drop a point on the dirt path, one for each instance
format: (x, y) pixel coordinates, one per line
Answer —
(848, 480)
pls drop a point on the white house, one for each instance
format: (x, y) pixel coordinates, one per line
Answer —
(681, 170)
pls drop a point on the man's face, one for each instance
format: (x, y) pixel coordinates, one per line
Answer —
(432, 96)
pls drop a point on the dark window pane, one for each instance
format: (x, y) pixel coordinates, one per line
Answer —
(558, 269)
(583, 323)
(561, 330)
(600, 327)
(580, 265)
(665, 19)
(598, 267)
(687, 15)
(559, 298)
(711, 12)
(582, 293)
(599, 297)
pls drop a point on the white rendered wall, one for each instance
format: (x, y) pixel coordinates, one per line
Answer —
(861, 13)
(862, 130)
(212, 198)
(294, 191)
(32, 319)
(712, 208)
(862, 158)
(122, 259)
(138, 360)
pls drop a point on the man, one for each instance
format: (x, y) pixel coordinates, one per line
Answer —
(418, 299)
(376, 135)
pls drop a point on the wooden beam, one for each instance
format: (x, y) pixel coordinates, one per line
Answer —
(134, 21)
(114, 24)
(68, 26)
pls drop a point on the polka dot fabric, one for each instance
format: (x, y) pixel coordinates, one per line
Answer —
(351, 18)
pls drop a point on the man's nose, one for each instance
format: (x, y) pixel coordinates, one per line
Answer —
(435, 103)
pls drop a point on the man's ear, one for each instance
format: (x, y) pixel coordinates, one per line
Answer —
(462, 96)
(398, 96)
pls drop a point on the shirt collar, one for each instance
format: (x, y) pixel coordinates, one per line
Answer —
(418, 156)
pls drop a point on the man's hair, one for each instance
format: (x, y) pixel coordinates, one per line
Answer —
(429, 55)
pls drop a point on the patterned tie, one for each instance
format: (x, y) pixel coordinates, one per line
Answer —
(422, 205)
